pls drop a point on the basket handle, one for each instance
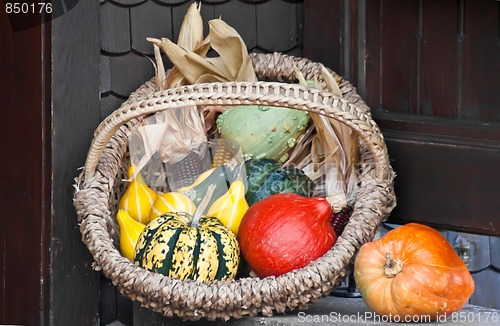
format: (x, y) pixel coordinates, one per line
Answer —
(244, 93)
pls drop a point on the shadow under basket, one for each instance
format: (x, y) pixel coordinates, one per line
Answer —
(100, 186)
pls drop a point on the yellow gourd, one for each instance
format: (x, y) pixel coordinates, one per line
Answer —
(138, 198)
(171, 202)
(130, 230)
(230, 207)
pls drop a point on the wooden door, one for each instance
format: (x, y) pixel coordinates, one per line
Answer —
(430, 71)
(25, 174)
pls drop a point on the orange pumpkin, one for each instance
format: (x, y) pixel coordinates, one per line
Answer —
(412, 271)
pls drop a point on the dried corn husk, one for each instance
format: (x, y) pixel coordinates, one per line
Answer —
(334, 148)
(188, 56)
(170, 136)
(190, 38)
(232, 50)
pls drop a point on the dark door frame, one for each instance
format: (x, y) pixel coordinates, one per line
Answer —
(447, 166)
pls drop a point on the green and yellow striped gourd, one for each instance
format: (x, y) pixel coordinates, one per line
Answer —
(202, 250)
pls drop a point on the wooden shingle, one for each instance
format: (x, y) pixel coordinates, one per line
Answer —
(277, 28)
(128, 2)
(486, 292)
(109, 103)
(173, 2)
(495, 252)
(115, 28)
(128, 72)
(105, 74)
(216, 1)
(255, 1)
(149, 19)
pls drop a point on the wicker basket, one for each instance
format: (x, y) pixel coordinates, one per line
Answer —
(99, 187)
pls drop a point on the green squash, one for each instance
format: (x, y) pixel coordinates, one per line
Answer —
(267, 177)
(202, 250)
(263, 131)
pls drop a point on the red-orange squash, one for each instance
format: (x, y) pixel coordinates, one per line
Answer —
(284, 232)
(412, 271)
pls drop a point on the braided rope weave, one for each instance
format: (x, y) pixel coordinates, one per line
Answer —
(99, 188)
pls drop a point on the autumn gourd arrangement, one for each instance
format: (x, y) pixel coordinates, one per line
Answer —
(197, 231)
(270, 218)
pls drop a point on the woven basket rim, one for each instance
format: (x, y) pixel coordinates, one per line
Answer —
(192, 300)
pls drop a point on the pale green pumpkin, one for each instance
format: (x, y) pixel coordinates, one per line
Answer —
(263, 131)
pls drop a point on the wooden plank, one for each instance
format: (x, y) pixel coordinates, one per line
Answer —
(146, 317)
(107, 302)
(351, 63)
(125, 309)
(438, 68)
(25, 174)
(330, 309)
(76, 114)
(481, 60)
(149, 19)
(277, 28)
(437, 184)
(371, 79)
(461, 129)
(322, 32)
(399, 46)
(115, 28)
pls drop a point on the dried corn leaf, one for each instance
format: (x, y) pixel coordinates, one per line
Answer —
(221, 65)
(209, 78)
(169, 136)
(190, 38)
(189, 54)
(191, 32)
(348, 138)
(175, 77)
(334, 149)
(190, 64)
(232, 50)
(160, 75)
(184, 134)
(331, 83)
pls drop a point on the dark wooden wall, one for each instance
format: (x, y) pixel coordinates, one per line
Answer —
(430, 71)
(75, 82)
